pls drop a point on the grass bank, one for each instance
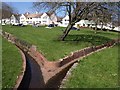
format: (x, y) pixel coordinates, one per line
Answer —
(47, 42)
(11, 64)
(99, 70)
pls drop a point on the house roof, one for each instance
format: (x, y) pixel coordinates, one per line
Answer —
(17, 16)
(49, 13)
(33, 15)
(25, 15)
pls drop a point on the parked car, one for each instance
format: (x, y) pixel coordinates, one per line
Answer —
(56, 25)
(3, 24)
(37, 24)
(15, 24)
(20, 25)
(74, 28)
(51, 25)
(24, 24)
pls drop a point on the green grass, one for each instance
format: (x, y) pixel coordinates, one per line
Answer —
(47, 42)
(98, 70)
(11, 64)
(0, 62)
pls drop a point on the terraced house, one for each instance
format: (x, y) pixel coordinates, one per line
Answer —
(11, 20)
(32, 18)
(38, 18)
(50, 18)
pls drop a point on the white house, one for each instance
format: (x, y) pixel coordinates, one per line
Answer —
(64, 22)
(23, 18)
(37, 18)
(84, 23)
(34, 18)
(48, 18)
(14, 19)
(52, 18)
(117, 29)
(45, 20)
(5, 21)
(30, 19)
(81, 23)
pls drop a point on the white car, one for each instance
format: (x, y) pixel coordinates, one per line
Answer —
(3, 24)
(117, 29)
(24, 23)
(15, 24)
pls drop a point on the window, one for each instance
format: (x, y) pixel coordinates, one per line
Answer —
(66, 20)
(44, 21)
(30, 21)
(83, 24)
(66, 23)
(44, 17)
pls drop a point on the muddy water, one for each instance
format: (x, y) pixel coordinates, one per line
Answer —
(33, 75)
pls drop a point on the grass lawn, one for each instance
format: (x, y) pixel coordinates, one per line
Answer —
(47, 42)
(0, 62)
(98, 70)
(11, 64)
(46, 39)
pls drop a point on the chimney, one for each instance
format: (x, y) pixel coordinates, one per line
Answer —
(36, 12)
(27, 13)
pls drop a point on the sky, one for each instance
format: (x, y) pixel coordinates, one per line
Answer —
(22, 7)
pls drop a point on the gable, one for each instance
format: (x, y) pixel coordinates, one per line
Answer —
(53, 16)
(44, 15)
(12, 17)
(22, 16)
(66, 17)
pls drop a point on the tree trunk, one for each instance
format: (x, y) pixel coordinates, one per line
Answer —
(102, 27)
(65, 33)
(96, 28)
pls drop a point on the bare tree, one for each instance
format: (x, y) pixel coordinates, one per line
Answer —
(7, 10)
(100, 16)
(75, 10)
